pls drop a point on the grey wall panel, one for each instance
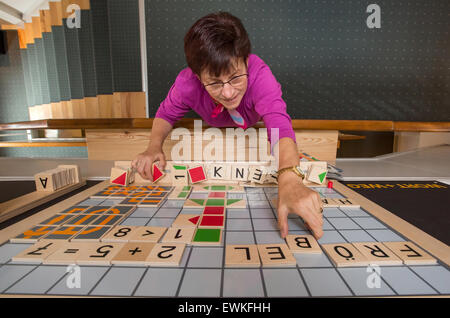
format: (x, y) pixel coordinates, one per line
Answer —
(87, 55)
(102, 52)
(125, 48)
(73, 62)
(61, 62)
(329, 63)
(52, 71)
(42, 67)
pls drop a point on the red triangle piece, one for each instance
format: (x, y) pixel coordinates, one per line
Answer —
(194, 220)
(121, 179)
(156, 173)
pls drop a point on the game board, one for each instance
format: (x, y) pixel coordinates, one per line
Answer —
(201, 271)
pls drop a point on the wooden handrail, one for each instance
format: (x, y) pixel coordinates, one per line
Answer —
(304, 124)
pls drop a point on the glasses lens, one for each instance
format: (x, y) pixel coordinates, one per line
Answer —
(215, 87)
(238, 81)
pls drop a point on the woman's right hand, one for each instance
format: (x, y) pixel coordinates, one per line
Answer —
(144, 161)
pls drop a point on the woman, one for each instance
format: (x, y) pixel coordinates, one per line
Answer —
(228, 86)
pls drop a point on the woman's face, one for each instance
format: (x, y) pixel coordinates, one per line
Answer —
(230, 94)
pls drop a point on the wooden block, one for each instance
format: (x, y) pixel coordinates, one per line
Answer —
(120, 234)
(201, 188)
(150, 202)
(99, 254)
(230, 189)
(317, 174)
(236, 203)
(239, 173)
(207, 237)
(67, 254)
(166, 254)
(157, 173)
(215, 201)
(74, 172)
(178, 195)
(38, 252)
(57, 219)
(194, 203)
(303, 244)
(82, 219)
(133, 254)
(242, 256)
(91, 234)
(65, 232)
(44, 181)
(197, 174)
(149, 234)
(212, 221)
(179, 175)
(120, 210)
(257, 174)
(410, 253)
(274, 255)
(219, 172)
(34, 234)
(271, 176)
(217, 194)
(377, 253)
(178, 235)
(345, 255)
(186, 221)
(348, 203)
(120, 176)
(213, 210)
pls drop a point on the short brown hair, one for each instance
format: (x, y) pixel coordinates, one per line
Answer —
(214, 41)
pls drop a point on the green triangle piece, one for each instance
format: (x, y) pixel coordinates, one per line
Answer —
(198, 201)
(218, 188)
(322, 176)
(231, 201)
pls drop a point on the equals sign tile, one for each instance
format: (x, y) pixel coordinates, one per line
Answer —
(71, 251)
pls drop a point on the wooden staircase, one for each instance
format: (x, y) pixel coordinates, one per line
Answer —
(69, 72)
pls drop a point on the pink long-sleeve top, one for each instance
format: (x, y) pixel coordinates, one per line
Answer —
(261, 100)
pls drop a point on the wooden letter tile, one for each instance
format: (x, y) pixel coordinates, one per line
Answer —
(410, 253)
(99, 254)
(149, 234)
(257, 174)
(38, 252)
(303, 244)
(67, 254)
(345, 255)
(186, 221)
(166, 254)
(119, 234)
(239, 173)
(242, 256)
(178, 235)
(377, 253)
(275, 255)
(133, 254)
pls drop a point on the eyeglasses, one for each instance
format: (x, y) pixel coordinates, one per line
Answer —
(236, 82)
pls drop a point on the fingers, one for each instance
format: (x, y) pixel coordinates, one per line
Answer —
(162, 160)
(148, 170)
(282, 222)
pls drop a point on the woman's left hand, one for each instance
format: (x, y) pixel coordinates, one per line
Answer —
(295, 197)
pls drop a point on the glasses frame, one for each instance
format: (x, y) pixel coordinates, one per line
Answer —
(227, 82)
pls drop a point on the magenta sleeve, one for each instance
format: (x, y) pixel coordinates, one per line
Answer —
(270, 105)
(174, 107)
